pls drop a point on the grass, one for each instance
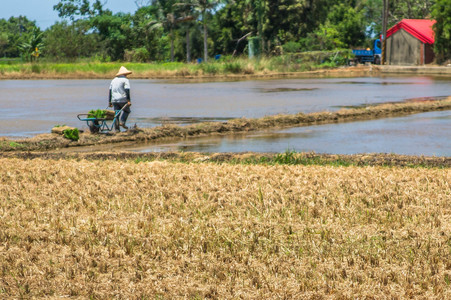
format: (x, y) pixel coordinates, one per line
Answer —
(120, 229)
(11, 145)
(224, 67)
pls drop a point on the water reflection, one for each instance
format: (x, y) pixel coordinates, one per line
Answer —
(421, 134)
(180, 120)
(286, 89)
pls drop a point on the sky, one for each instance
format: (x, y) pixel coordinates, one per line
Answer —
(42, 11)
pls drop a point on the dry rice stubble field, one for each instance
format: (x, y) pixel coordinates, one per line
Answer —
(120, 229)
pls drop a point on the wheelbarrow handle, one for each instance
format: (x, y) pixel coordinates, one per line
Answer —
(121, 108)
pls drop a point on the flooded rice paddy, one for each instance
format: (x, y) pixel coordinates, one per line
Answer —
(422, 134)
(30, 107)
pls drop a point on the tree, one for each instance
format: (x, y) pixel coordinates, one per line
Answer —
(115, 33)
(31, 48)
(4, 41)
(143, 38)
(14, 32)
(348, 21)
(231, 23)
(441, 12)
(203, 7)
(186, 17)
(82, 8)
(285, 21)
(68, 42)
(165, 18)
(410, 9)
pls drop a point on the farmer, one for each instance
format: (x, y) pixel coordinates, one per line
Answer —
(120, 95)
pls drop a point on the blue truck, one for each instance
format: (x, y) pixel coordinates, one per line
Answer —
(372, 56)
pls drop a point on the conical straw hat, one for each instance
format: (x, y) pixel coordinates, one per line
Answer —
(123, 71)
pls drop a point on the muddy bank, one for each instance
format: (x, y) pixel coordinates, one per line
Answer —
(186, 74)
(54, 141)
(414, 70)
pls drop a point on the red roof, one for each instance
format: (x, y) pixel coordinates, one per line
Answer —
(421, 29)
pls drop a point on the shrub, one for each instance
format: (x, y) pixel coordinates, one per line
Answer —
(137, 55)
(210, 68)
(35, 68)
(292, 47)
(233, 67)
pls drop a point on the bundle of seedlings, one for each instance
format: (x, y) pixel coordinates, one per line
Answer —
(109, 114)
(71, 133)
(59, 129)
(101, 114)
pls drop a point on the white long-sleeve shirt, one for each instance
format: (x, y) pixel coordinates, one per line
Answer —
(118, 86)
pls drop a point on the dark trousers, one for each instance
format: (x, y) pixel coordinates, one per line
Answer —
(125, 112)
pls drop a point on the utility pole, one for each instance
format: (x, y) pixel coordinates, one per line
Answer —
(384, 31)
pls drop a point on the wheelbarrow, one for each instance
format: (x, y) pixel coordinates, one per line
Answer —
(100, 125)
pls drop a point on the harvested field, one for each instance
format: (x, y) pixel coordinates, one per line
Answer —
(54, 141)
(122, 229)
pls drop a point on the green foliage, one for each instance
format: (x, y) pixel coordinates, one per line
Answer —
(137, 55)
(410, 9)
(204, 7)
(4, 41)
(98, 114)
(291, 47)
(343, 28)
(233, 67)
(210, 68)
(15, 145)
(14, 32)
(442, 14)
(114, 32)
(31, 48)
(66, 41)
(348, 22)
(74, 8)
(291, 157)
(35, 68)
(72, 134)
(6, 145)
(285, 158)
(184, 30)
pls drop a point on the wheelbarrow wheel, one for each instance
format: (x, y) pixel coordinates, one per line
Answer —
(94, 127)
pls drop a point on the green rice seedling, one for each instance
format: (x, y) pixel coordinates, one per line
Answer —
(98, 114)
(72, 134)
